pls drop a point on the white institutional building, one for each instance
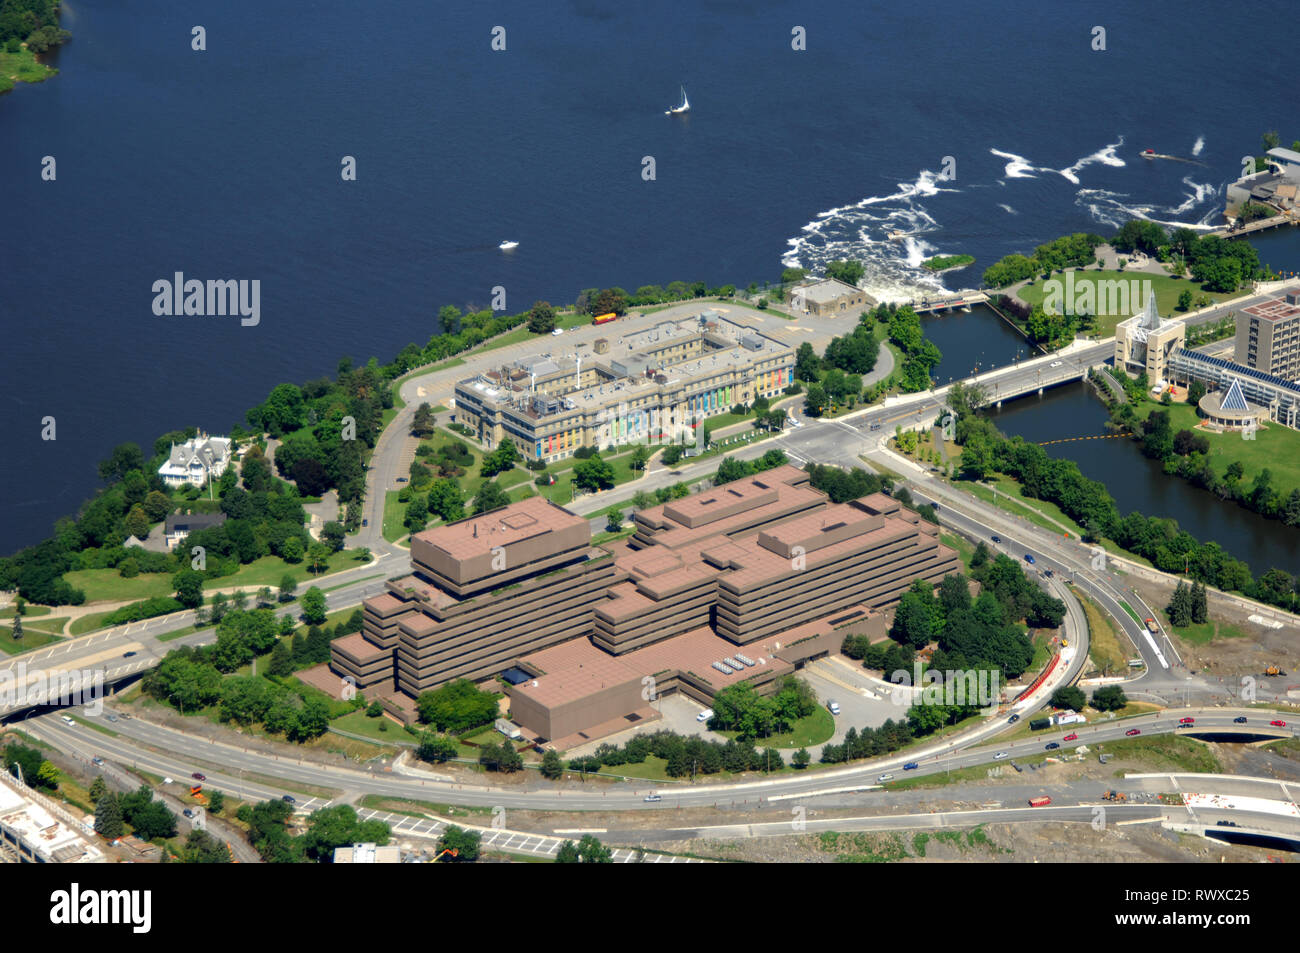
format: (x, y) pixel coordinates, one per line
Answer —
(196, 460)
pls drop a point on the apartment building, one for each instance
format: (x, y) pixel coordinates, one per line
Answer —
(1268, 336)
(649, 386)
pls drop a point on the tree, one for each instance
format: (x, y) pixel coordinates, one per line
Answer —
(281, 663)
(457, 706)
(313, 606)
(108, 817)
(435, 748)
(446, 500)
(593, 474)
(541, 318)
(807, 365)
(318, 557)
(640, 454)
(293, 550)
(424, 421)
(490, 496)
(849, 272)
(1185, 299)
(287, 587)
(97, 789)
(124, 458)
(1069, 696)
(815, 401)
(503, 458)
(188, 585)
(552, 765)
(417, 514)
(567, 854)
(801, 759)
(1109, 698)
(592, 851)
(465, 843)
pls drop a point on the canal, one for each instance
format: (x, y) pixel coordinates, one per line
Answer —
(1139, 483)
(972, 342)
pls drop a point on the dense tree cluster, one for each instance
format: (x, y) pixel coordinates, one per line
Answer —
(741, 709)
(35, 22)
(148, 819)
(457, 706)
(327, 829)
(1069, 251)
(733, 468)
(684, 755)
(1188, 606)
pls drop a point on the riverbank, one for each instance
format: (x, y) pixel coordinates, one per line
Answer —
(22, 67)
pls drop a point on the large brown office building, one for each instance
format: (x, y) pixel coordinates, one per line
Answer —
(745, 581)
(1268, 336)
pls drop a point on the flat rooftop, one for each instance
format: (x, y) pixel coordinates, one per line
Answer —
(1277, 309)
(479, 535)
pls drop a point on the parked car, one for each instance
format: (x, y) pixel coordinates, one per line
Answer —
(1053, 745)
(1018, 768)
(834, 706)
(187, 812)
(704, 715)
(1239, 720)
(911, 766)
(1133, 731)
(556, 332)
(401, 479)
(365, 522)
(97, 760)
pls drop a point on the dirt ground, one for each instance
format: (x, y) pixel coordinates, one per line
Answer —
(1231, 656)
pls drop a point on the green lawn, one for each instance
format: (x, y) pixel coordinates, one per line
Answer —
(88, 623)
(812, 730)
(32, 639)
(1206, 632)
(964, 547)
(1104, 646)
(382, 730)
(30, 612)
(1275, 446)
(1166, 287)
(105, 585)
(21, 67)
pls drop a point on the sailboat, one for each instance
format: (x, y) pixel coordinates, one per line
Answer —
(685, 106)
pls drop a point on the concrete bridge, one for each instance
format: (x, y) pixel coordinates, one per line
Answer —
(949, 302)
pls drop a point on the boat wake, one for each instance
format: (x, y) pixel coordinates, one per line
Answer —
(1116, 208)
(1018, 167)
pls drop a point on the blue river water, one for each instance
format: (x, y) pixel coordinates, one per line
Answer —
(226, 164)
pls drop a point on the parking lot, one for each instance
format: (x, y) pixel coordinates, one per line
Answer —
(678, 714)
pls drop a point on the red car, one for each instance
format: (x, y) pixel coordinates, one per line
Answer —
(1278, 724)
(1072, 736)
(1187, 721)
(1133, 731)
